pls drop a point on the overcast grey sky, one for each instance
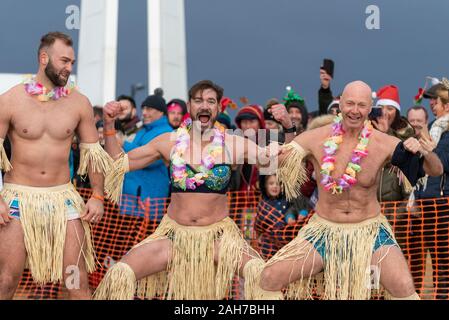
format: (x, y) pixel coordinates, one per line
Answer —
(255, 48)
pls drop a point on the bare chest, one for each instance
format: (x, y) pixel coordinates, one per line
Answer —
(33, 119)
(370, 165)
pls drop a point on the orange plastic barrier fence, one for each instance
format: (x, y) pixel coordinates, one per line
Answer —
(422, 231)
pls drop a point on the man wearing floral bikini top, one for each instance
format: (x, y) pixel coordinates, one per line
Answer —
(197, 248)
(347, 238)
(43, 220)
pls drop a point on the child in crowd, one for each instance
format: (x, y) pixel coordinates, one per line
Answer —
(274, 213)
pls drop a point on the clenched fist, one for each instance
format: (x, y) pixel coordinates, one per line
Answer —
(280, 114)
(111, 111)
(413, 145)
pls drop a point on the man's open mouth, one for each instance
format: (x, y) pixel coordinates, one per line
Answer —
(204, 118)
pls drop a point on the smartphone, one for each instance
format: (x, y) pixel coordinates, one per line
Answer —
(375, 113)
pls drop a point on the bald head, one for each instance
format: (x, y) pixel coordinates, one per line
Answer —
(358, 88)
(355, 103)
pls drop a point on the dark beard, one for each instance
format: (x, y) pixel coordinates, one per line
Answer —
(54, 76)
(127, 118)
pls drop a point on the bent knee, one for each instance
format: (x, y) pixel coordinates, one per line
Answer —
(403, 288)
(270, 279)
(8, 284)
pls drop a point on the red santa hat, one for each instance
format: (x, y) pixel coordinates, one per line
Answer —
(388, 96)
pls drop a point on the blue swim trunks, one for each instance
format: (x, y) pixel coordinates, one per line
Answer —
(384, 238)
(71, 212)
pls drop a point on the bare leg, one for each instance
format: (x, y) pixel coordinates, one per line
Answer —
(395, 275)
(307, 262)
(149, 258)
(12, 258)
(75, 274)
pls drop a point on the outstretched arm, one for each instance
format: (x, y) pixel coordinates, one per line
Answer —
(413, 160)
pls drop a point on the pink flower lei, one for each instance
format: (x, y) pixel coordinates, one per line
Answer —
(348, 179)
(214, 150)
(33, 87)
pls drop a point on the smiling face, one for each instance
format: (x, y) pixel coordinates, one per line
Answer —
(355, 104)
(150, 115)
(418, 120)
(57, 62)
(440, 107)
(272, 187)
(128, 110)
(295, 116)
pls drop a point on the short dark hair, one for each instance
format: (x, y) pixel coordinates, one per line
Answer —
(204, 85)
(419, 108)
(49, 39)
(130, 99)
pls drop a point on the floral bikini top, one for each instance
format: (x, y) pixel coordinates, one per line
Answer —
(216, 182)
(208, 177)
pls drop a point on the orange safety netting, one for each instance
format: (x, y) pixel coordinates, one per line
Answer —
(421, 230)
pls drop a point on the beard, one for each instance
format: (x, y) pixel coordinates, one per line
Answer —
(127, 118)
(55, 76)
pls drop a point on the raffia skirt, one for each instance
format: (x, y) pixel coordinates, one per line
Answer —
(346, 250)
(191, 272)
(43, 216)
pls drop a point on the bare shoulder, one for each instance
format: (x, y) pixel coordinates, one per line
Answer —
(11, 98)
(13, 93)
(385, 141)
(312, 138)
(81, 101)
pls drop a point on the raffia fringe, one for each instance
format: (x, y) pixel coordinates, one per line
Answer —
(402, 179)
(93, 156)
(252, 272)
(119, 283)
(347, 262)
(414, 296)
(44, 223)
(292, 173)
(113, 184)
(5, 165)
(191, 273)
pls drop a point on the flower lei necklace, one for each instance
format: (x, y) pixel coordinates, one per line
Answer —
(214, 150)
(348, 179)
(35, 88)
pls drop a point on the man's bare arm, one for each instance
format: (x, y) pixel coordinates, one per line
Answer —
(88, 134)
(111, 144)
(4, 127)
(5, 117)
(141, 157)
